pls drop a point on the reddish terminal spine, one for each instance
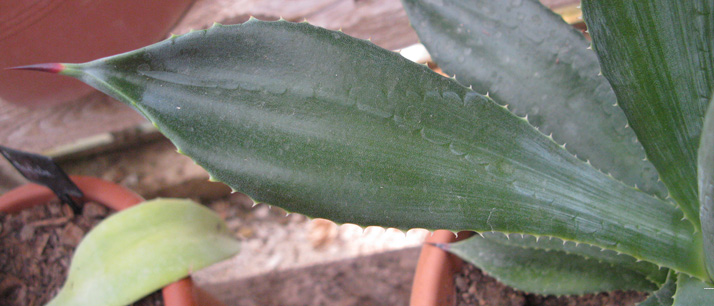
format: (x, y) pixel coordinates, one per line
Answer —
(48, 67)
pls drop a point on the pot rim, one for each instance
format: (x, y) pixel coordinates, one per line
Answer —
(433, 283)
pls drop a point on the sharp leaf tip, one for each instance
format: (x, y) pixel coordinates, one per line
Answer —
(47, 67)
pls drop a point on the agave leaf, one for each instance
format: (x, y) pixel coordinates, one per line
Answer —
(335, 127)
(547, 272)
(663, 296)
(648, 270)
(527, 57)
(658, 57)
(141, 249)
(691, 291)
(705, 165)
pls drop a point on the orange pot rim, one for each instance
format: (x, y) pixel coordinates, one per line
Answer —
(433, 283)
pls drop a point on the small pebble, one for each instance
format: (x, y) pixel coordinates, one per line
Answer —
(27, 232)
(71, 235)
(94, 210)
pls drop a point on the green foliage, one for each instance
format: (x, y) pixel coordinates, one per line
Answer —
(663, 296)
(142, 249)
(544, 268)
(330, 126)
(403, 148)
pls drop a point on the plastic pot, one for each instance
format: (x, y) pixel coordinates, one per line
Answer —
(434, 277)
(70, 31)
(116, 197)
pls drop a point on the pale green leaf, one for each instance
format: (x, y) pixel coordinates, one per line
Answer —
(142, 249)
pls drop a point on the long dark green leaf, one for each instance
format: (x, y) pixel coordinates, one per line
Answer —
(547, 272)
(330, 126)
(527, 57)
(705, 167)
(658, 56)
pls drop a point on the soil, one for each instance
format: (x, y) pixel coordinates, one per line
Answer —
(474, 288)
(36, 246)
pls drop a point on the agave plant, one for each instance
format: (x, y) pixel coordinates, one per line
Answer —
(330, 126)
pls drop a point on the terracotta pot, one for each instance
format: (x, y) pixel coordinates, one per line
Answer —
(434, 278)
(70, 31)
(181, 293)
